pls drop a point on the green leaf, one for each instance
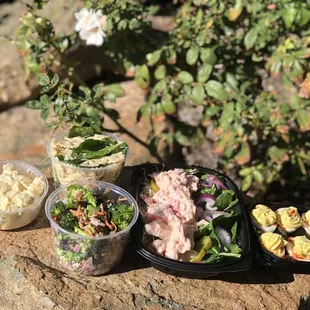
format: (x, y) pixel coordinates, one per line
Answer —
(97, 89)
(204, 72)
(244, 154)
(185, 77)
(234, 248)
(192, 55)
(198, 94)
(182, 138)
(55, 80)
(228, 114)
(234, 232)
(171, 56)
(43, 79)
(224, 200)
(303, 120)
(52, 124)
(153, 58)
(247, 182)
(278, 155)
(232, 81)
(208, 56)
(45, 113)
(45, 89)
(157, 110)
(34, 105)
(144, 111)
(245, 172)
(122, 25)
(289, 15)
(160, 85)
(77, 131)
(46, 100)
(134, 24)
(303, 17)
(251, 37)
(216, 90)
(160, 72)
(168, 106)
(202, 35)
(92, 149)
(92, 145)
(257, 176)
(212, 110)
(142, 76)
(116, 89)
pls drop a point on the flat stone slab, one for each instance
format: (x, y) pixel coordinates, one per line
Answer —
(31, 279)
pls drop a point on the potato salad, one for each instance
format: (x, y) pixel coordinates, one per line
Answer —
(18, 190)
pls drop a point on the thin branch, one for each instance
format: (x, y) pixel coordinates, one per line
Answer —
(6, 37)
(130, 134)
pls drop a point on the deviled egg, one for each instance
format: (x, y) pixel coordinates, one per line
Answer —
(288, 219)
(299, 248)
(273, 243)
(306, 222)
(263, 218)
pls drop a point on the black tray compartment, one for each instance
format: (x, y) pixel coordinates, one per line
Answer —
(185, 269)
(266, 258)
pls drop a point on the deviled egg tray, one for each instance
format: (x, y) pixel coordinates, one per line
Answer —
(266, 257)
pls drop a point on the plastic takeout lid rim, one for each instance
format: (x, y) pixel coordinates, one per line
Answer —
(110, 186)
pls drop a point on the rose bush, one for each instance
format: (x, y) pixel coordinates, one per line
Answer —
(214, 63)
(212, 79)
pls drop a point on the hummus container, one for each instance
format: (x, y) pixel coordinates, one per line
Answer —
(90, 255)
(18, 217)
(64, 173)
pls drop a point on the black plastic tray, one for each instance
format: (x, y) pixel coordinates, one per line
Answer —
(266, 258)
(186, 269)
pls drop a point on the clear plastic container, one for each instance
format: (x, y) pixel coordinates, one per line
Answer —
(65, 173)
(90, 255)
(19, 217)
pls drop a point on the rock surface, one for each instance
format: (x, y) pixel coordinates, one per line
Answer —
(31, 279)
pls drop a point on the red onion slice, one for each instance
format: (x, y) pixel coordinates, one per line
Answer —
(211, 215)
(209, 201)
(213, 180)
(223, 235)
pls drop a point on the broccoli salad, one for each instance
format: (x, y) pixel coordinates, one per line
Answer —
(92, 215)
(77, 156)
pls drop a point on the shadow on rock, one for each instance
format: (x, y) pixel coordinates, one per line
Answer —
(259, 275)
(131, 261)
(304, 303)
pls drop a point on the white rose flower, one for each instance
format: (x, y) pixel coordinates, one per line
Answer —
(91, 26)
